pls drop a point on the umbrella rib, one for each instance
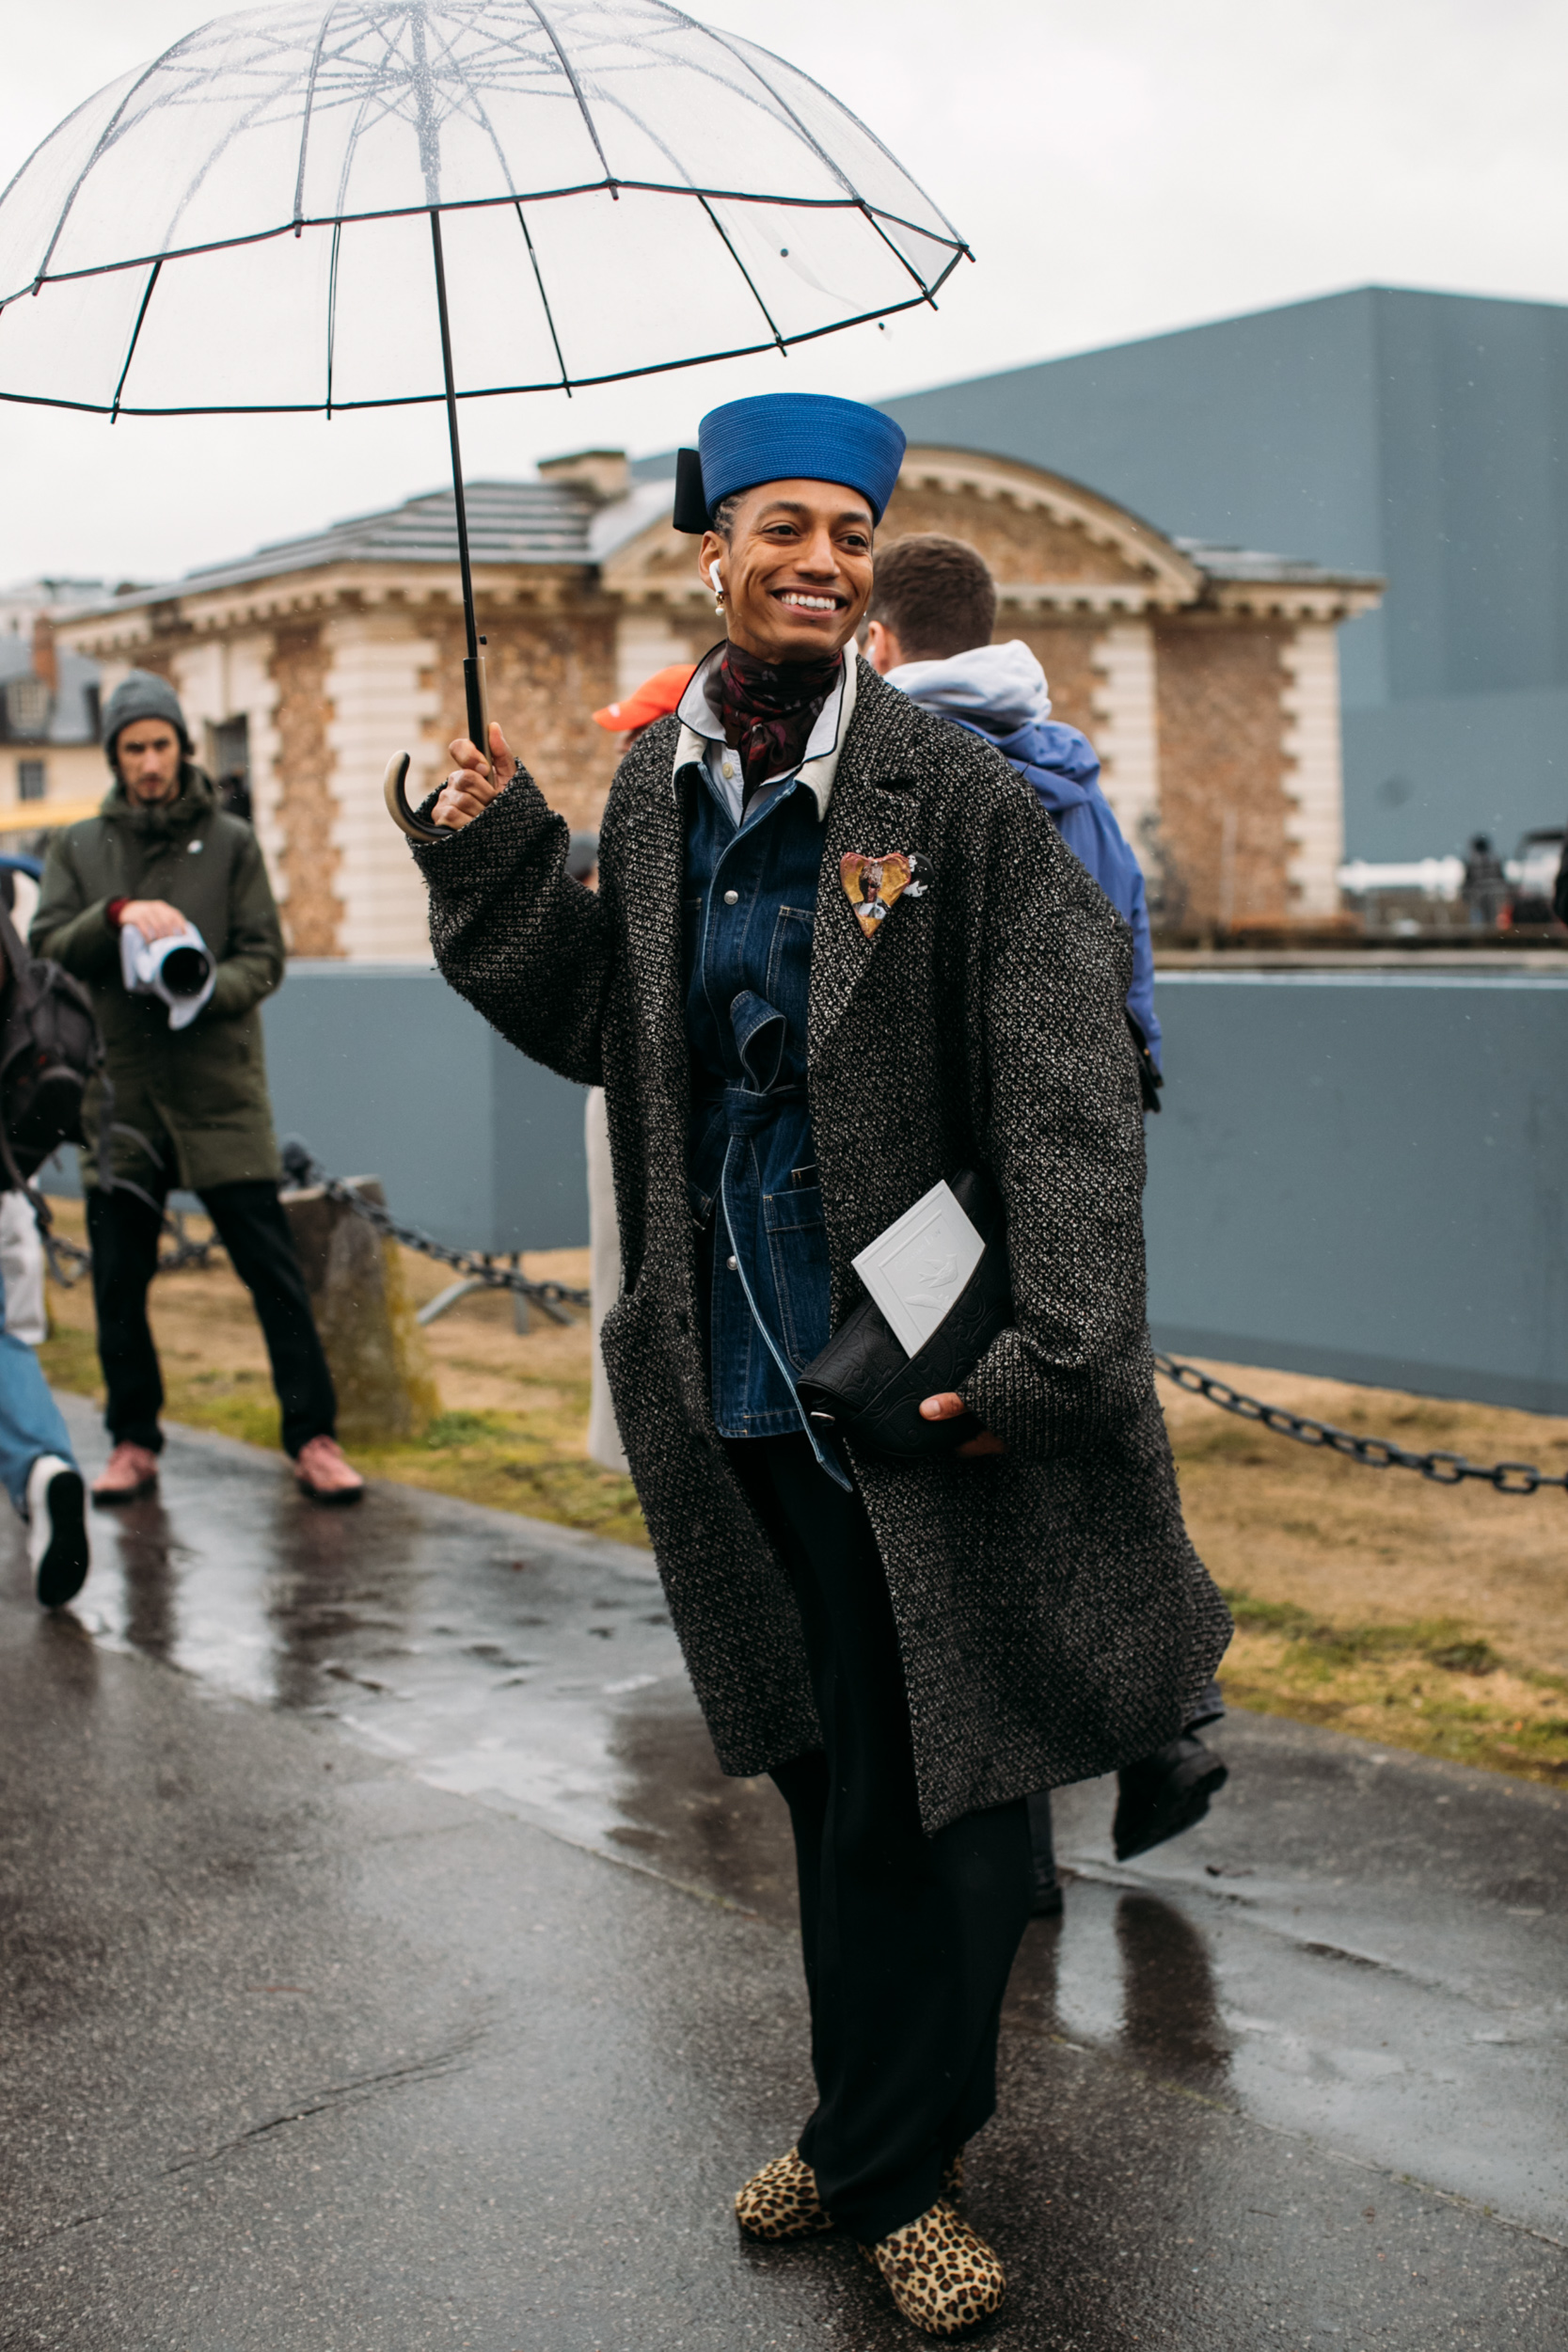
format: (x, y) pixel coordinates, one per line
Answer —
(481, 391)
(477, 203)
(725, 42)
(135, 336)
(305, 126)
(544, 297)
(332, 308)
(927, 291)
(835, 168)
(102, 143)
(744, 271)
(577, 92)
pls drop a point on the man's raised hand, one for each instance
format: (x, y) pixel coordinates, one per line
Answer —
(471, 785)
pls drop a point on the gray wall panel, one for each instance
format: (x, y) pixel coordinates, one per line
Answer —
(1358, 1174)
(386, 1072)
(1364, 1176)
(1428, 774)
(541, 1159)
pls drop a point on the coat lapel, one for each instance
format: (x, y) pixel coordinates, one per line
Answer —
(870, 812)
(651, 884)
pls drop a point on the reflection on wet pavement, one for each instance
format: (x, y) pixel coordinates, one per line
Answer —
(1297, 1957)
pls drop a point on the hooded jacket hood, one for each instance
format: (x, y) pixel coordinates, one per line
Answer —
(997, 688)
(1001, 692)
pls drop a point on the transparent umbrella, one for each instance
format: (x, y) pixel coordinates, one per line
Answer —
(378, 202)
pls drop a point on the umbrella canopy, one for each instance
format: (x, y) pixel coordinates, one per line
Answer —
(245, 224)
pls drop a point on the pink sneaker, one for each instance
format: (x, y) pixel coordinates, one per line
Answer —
(130, 1471)
(323, 1475)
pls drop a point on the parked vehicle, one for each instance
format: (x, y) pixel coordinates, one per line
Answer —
(1532, 876)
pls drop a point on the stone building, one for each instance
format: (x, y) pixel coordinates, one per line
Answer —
(51, 762)
(1207, 677)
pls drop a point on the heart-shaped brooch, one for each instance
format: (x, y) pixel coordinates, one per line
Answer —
(873, 884)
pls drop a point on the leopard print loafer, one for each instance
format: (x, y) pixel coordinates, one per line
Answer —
(780, 2200)
(943, 2278)
(953, 2178)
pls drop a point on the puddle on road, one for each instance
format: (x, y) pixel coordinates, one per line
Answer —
(535, 1670)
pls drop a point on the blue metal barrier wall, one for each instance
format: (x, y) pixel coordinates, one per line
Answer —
(1357, 1172)
(1362, 1174)
(386, 1072)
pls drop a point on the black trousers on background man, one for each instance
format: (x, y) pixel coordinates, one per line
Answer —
(123, 1232)
(908, 1939)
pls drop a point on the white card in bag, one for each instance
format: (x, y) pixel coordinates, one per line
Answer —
(915, 1270)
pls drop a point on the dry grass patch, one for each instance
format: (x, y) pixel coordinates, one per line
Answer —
(512, 1429)
(1421, 1617)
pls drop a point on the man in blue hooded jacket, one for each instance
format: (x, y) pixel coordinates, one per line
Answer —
(933, 592)
(932, 610)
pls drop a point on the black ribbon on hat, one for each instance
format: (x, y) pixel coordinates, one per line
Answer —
(690, 514)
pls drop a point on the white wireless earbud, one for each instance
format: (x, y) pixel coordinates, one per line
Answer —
(714, 581)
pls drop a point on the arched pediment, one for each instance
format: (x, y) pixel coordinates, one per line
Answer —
(1052, 545)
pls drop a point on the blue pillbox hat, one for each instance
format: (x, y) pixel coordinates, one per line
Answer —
(788, 437)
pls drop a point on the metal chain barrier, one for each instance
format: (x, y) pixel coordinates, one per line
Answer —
(1444, 1469)
(476, 1266)
(68, 1262)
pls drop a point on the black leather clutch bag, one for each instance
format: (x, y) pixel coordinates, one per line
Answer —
(863, 1385)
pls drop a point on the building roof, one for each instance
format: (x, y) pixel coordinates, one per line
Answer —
(509, 522)
(73, 711)
(1252, 563)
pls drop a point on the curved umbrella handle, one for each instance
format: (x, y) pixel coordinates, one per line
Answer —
(397, 804)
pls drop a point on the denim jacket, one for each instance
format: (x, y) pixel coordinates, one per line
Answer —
(748, 910)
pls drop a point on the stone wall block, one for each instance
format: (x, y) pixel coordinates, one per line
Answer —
(1314, 781)
(1128, 733)
(312, 907)
(380, 1367)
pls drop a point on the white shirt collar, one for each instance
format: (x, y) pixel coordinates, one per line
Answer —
(700, 728)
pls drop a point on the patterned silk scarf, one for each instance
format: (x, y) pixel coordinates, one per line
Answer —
(767, 710)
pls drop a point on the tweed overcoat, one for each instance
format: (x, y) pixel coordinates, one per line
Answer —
(1053, 1617)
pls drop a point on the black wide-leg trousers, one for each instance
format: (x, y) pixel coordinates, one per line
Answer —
(908, 1939)
(124, 1231)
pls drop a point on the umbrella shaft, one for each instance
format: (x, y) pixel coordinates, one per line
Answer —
(468, 622)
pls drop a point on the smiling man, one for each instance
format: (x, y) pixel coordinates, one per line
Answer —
(909, 1648)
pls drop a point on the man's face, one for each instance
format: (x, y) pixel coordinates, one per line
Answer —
(796, 574)
(147, 755)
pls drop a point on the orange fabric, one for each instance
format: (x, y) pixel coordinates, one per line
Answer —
(654, 699)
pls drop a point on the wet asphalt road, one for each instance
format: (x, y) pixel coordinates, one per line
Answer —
(384, 1964)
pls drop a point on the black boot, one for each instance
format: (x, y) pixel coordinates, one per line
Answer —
(1047, 1893)
(1163, 1794)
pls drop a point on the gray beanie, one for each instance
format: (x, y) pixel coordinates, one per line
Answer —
(140, 696)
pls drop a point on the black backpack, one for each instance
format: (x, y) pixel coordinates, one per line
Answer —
(50, 1048)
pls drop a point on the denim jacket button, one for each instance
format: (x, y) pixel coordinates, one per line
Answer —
(732, 1265)
(732, 898)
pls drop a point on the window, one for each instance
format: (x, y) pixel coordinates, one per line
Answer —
(231, 741)
(32, 783)
(27, 706)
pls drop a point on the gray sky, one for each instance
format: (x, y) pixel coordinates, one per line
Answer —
(1119, 167)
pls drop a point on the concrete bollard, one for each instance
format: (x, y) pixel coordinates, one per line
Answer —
(380, 1367)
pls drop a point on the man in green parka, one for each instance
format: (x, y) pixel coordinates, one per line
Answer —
(190, 1106)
